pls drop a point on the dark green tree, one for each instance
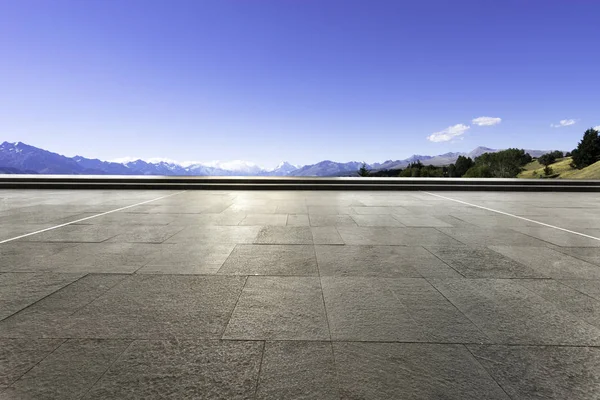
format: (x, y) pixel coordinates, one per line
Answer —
(363, 170)
(502, 164)
(463, 164)
(587, 151)
(547, 159)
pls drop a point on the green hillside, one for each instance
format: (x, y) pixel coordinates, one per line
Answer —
(561, 169)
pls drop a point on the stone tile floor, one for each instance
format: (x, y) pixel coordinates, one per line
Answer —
(299, 295)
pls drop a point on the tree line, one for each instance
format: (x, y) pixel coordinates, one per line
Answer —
(502, 164)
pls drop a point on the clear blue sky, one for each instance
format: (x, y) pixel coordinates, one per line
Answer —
(296, 80)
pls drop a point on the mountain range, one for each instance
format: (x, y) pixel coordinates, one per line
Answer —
(21, 158)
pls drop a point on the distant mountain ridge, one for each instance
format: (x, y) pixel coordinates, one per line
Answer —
(22, 158)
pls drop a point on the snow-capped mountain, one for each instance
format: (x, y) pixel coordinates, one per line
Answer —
(22, 158)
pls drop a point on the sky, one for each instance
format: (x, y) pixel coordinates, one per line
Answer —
(297, 80)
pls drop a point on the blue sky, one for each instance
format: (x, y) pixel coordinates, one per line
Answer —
(297, 80)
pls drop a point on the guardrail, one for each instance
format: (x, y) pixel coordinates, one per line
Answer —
(289, 183)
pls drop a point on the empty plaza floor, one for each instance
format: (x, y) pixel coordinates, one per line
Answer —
(299, 295)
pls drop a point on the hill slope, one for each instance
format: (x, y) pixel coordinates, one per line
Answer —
(563, 168)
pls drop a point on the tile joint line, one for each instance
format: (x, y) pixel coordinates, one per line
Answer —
(514, 216)
(90, 217)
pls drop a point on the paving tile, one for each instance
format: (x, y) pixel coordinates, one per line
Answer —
(147, 234)
(509, 313)
(298, 370)
(404, 310)
(376, 220)
(69, 372)
(76, 234)
(130, 219)
(198, 258)
(588, 254)
(17, 356)
(28, 257)
(481, 237)
(329, 210)
(142, 306)
(20, 290)
(284, 235)
(589, 287)
(291, 208)
(566, 298)
(326, 235)
(331, 220)
(279, 308)
(411, 371)
(271, 260)
(230, 219)
(550, 263)
(395, 236)
(379, 210)
(182, 370)
(543, 372)
(421, 221)
(102, 257)
(558, 237)
(483, 263)
(380, 261)
(215, 234)
(298, 220)
(265, 219)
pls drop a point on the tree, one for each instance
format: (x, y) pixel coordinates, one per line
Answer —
(502, 164)
(462, 165)
(547, 159)
(587, 151)
(548, 170)
(363, 170)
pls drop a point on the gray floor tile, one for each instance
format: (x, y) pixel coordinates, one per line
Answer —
(25, 256)
(326, 235)
(417, 221)
(279, 308)
(589, 254)
(510, 314)
(483, 263)
(139, 307)
(589, 287)
(182, 370)
(544, 372)
(20, 290)
(146, 234)
(298, 370)
(376, 220)
(331, 220)
(560, 238)
(271, 260)
(405, 310)
(215, 234)
(550, 263)
(298, 220)
(17, 356)
(69, 372)
(265, 219)
(373, 210)
(566, 298)
(193, 258)
(481, 237)
(395, 236)
(284, 235)
(230, 219)
(76, 234)
(380, 261)
(411, 371)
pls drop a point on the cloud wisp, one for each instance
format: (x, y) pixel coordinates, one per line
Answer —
(486, 121)
(452, 132)
(597, 128)
(564, 122)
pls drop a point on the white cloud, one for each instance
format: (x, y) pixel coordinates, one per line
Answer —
(564, 122)
(597, 128)
(452, 132)
(486, 121)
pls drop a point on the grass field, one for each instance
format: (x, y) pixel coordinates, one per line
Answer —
(563, 169)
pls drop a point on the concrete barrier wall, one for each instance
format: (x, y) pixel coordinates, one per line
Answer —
(288, 183)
